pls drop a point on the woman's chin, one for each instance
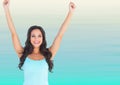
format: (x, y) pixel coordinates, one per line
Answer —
(36, 46)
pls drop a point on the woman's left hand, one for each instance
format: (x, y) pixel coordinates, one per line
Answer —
(72, 7)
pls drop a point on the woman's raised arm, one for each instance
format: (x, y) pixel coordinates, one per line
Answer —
(56, 43)
(15, 39)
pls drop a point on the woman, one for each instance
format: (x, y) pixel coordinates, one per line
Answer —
(35, 58)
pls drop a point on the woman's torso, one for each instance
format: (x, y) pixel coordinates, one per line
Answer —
(35, 72)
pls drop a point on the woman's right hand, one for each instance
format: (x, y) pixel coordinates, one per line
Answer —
(6, 3)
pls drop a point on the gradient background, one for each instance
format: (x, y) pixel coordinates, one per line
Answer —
(90, 50)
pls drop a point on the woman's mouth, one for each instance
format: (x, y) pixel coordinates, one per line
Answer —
(36, 42)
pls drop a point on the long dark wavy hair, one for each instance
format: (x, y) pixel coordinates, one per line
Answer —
(28, 49)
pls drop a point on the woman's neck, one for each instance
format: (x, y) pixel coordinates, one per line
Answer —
(36, 51)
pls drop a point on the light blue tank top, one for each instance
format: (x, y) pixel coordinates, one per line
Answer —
(35, 72)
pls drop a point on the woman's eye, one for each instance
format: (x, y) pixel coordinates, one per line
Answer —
(33, 36)
(36, 36)
(39, 36)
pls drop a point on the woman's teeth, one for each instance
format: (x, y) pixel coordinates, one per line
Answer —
(36, 42)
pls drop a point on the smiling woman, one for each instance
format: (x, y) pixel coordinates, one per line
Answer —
(36, 38)
(35, 58)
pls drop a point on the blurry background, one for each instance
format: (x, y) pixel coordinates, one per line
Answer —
(90, 50)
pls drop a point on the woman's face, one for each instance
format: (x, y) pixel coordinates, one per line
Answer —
(36, 38)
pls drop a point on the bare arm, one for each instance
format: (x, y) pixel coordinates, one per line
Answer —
(56, 43)
(15, 39)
